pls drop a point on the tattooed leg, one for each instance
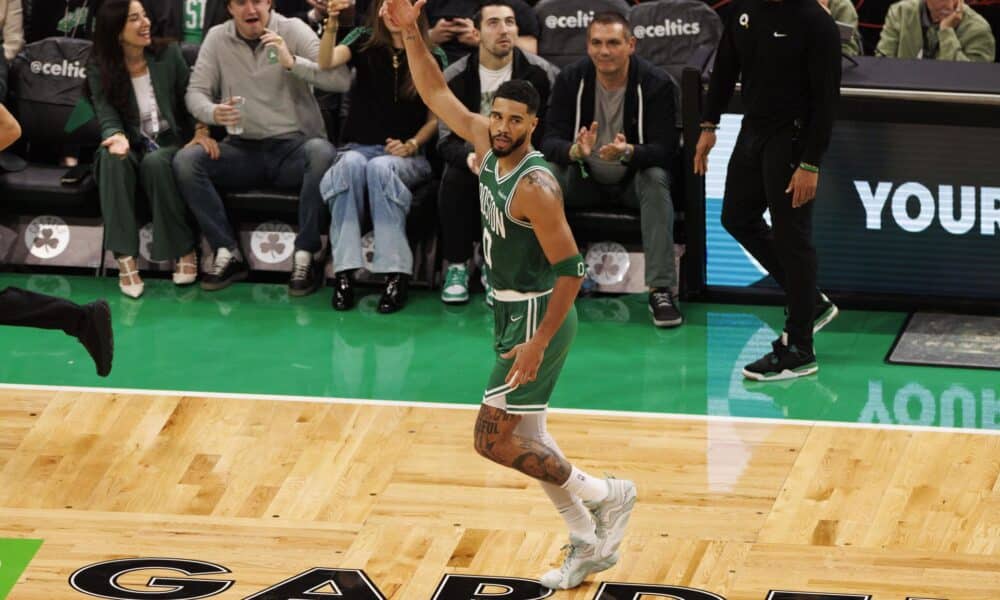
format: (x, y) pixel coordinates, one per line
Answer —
(495, 439)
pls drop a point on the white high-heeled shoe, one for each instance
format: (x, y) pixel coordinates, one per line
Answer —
(129, 281)
(186, 270)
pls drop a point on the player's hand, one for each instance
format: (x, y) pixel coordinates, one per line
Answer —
(117, 145)
(615, 149)
(705, 143)
(802, 187)
(527, 358)
(586, 139)
(401, 13)
(271, 39)
(955, 17)
(472, 161)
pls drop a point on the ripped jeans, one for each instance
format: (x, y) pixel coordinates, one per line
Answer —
(387, 179)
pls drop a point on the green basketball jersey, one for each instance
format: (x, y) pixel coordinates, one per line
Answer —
(514, 258)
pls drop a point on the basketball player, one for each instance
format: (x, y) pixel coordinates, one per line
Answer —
(89, 323)
(535, 271)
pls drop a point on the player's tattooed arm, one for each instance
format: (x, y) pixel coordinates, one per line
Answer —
(544, 181)
(495, 440)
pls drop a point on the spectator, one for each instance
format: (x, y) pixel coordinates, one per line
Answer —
(474, 79)
(262, 65)
(844, 13)
(384, 132)
(185, 20)
(11, 28)
(453, 30)
(936, 29)
(138, 93)
(611, 135)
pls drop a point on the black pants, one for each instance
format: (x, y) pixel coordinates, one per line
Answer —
(760, 169)
(458, 212)
(22, 308)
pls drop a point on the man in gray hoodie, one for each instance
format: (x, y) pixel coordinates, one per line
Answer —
(255, 75)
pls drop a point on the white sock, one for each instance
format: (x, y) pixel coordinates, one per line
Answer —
(586, 487)
(572, 510)
(570, 507)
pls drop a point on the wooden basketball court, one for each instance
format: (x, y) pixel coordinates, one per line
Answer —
(270, 489)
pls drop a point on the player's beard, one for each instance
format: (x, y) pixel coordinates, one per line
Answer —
(514, 146)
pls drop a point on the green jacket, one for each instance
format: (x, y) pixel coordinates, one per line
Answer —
(904, 31)
(843, 11)
(169, 74)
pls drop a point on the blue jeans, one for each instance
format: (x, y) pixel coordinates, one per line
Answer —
(286, 162)
(387, 179)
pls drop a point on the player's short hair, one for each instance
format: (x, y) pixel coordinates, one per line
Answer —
(521, 91)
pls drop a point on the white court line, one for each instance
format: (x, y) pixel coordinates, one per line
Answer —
(560, 411)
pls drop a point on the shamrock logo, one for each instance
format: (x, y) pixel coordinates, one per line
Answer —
(272, 245)
(46, 239)
(272, 242)
(607, 262)
(607, 266)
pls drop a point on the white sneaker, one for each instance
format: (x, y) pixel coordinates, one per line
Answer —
(582, 559)
(611, 515)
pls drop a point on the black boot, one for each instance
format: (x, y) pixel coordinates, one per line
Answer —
(343, 291)
(394, 296)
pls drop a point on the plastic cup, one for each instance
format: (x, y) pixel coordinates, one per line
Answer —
(236, 102)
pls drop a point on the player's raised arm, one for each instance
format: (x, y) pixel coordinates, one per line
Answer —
(429, 79)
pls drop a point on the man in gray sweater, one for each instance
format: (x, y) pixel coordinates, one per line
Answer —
(255, 75)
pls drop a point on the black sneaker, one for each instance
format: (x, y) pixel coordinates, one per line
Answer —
(663, 309)
(783, 362)
(227, 269)
(394, 296)
(97, 336)
(305, 277)
(825, 312)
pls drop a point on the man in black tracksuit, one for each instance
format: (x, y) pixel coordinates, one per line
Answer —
(788, 52)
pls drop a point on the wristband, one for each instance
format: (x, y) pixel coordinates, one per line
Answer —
(808, 167)
(574, 150)
(571, 267)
